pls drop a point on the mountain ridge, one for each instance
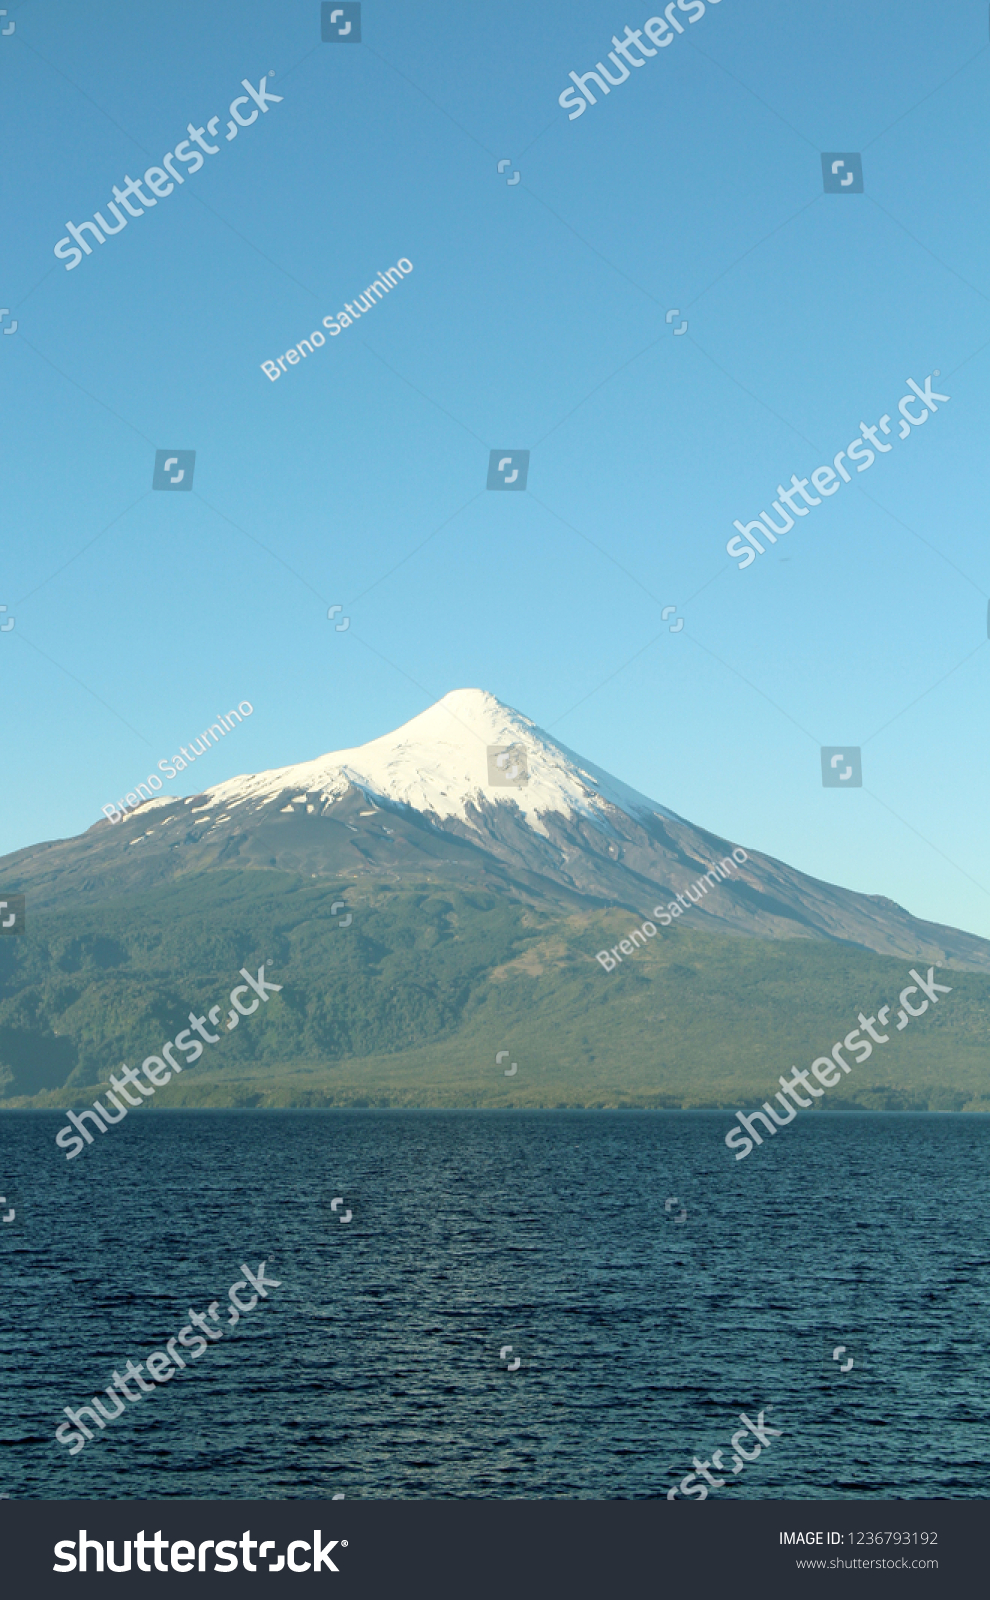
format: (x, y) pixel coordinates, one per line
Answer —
(415, 941)
(548, 825)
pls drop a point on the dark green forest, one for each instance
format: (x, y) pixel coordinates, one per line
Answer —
(410, 1004)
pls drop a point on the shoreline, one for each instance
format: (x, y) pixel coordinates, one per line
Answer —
(548, 1110)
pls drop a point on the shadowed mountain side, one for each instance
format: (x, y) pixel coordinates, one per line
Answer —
(412, 1002)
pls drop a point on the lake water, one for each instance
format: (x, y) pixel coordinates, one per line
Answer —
(374, 1371)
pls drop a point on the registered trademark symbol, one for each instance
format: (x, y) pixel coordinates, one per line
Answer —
(343, 1543)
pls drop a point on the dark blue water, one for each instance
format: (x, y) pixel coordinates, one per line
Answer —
(374, 1371)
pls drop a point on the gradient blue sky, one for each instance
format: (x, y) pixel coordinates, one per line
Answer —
(534, 317)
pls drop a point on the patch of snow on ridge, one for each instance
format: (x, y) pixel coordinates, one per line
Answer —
(438, 763)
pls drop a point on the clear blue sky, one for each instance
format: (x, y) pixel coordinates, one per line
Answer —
(534, 317)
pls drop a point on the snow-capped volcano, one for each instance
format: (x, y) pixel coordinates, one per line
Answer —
(471, 792)
(445, 763)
